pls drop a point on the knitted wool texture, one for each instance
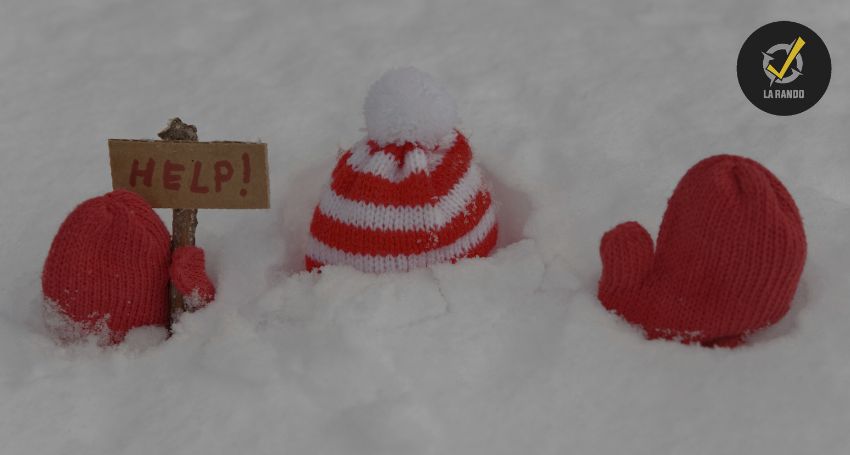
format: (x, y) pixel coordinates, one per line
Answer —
(730, 253)
(109, 264)
(397, 207)
(189, 276)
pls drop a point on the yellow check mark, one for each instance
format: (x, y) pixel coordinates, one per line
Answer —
(791, 56)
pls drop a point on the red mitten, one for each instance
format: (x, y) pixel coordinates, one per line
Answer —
(730, 253)
(107, 269)
(190, 277)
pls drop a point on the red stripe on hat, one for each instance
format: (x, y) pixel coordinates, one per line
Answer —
(486, 245)
(312, 263)
(417, 189)
(396, 151)
(356, 240)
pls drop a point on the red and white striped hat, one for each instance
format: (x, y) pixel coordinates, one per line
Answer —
(409, 194)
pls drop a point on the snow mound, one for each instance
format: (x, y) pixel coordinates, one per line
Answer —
(66, 330)
(408, 105)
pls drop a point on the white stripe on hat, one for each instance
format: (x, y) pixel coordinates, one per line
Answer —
(325, 254)
(385, 165)
(434, 216)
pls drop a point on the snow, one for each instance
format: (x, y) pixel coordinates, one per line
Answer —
(408, 105)
(66, 330)
(584, 115)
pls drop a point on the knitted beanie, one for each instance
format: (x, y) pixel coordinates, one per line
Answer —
(108, 269)
(409, 194)
(730, 253)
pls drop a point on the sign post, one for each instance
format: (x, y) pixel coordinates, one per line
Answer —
(180, 173)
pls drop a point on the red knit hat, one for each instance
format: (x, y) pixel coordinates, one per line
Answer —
(409, 194)
(108, 268)
(730, 253)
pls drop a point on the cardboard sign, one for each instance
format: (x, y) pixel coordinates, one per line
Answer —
(192, 175)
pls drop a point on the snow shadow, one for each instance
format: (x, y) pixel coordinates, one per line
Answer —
(299, 199)
(513, 210)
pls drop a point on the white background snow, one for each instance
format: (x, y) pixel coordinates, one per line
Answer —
(584, 114)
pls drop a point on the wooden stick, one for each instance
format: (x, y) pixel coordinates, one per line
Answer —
(184, 221)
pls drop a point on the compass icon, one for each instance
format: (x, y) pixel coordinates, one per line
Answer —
(793, 62)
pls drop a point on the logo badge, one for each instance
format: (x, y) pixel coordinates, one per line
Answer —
(770, 68)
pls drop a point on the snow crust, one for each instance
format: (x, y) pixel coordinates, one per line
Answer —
(408, 105)
(584, 114)
(67, 330)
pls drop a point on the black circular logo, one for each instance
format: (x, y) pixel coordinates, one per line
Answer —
(784, 68)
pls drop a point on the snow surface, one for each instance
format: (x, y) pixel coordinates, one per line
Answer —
(408, 105)
(584, 114)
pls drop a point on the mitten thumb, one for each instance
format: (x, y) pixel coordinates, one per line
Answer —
(626, 254)
(189, 276)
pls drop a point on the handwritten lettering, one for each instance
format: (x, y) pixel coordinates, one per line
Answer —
(146, 174)
(192, 174)
(223, 173)
(170, 180)
(195, 187)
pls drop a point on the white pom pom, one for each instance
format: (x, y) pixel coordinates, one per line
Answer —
(407, 105)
